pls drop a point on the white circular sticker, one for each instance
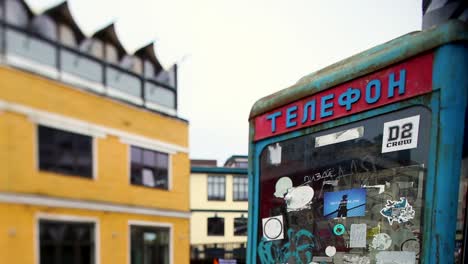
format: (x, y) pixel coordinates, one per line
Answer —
(282, 186)
(300, 197)
(330, 251)
(381, 241)
(273, 228)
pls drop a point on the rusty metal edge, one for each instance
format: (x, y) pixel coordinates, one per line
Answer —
(366, 62)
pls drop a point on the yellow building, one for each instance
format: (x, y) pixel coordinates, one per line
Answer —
(94, 165)
(219, 207)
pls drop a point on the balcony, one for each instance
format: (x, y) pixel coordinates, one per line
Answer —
(29, 51)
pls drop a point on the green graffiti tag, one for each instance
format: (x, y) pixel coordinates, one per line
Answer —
(297, 250)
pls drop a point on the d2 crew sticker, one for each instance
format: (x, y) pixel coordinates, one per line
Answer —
(400, 134)
(339, 229)
(273, 228)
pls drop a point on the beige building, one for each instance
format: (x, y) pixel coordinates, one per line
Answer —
(219, 206)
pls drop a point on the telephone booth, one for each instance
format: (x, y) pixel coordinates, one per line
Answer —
(360, 162)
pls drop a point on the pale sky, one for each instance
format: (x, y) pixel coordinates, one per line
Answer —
(232, 53)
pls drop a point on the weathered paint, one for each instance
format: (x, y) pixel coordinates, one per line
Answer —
(396, 83)
(256, 149)
(451, 80)
(364, 63)
(446, 102)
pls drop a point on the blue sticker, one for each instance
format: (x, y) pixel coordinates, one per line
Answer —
(347, 203)
(339, 229)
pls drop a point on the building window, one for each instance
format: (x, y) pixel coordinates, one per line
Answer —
(65, 152)
(216, 188)
(240, 188)
(66, 242)
(240, 226)
(150, 245)
(215, 226)
(149, 168)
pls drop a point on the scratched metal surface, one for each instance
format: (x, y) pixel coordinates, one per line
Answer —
(363, 63)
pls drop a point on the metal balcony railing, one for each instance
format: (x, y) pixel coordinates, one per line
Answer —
(29, 51)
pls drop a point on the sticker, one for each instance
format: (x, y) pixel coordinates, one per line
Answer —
(274, 154)
(347, 203)
(330, 251)
(355, 259)
(273, 228)
(332, 183)
(358, 236)
(338, 137)
(339, 229)
(381, 187)
(381, 241)
(411, 245)
(400, 134)
(321, 260)
(400, 257)
(299, 198)
(398, 211)
(282, 186)
(373, 231)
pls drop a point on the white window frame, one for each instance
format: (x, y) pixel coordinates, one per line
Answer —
(169, 165)
(94, 149)
(150, 224)
(66, 218)
(224, 176)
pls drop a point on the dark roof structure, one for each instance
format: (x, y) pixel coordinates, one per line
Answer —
(62, 14)
(108, 34)
(147, 52)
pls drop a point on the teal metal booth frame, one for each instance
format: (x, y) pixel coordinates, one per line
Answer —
(361, 161)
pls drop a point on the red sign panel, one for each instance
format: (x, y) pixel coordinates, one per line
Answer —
(395, 83)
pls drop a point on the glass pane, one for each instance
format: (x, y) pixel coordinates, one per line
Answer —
(78, 65)
(45, 27)
(149, 245)
(149, 69)
(350, 197)
(149, 158)
(161, 179)
(30, 48)
(136, 155)
(216, 226)
(159, 95)
(123, 81)
(149, 237)
(63, 245)
(93, 47)
(16, 13)
(167, 77)
(67, 36)
(111, 54)
(162, 160)
(65, 152)
(240, 226)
